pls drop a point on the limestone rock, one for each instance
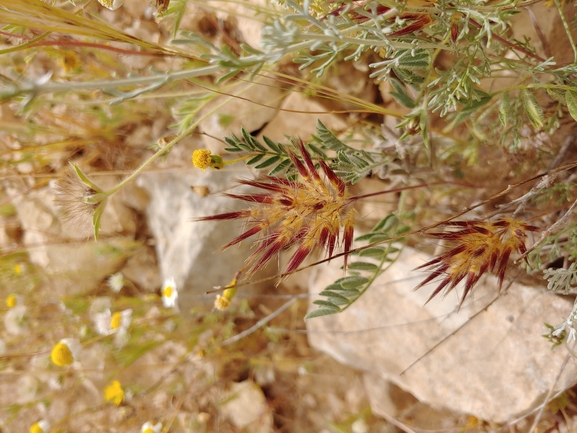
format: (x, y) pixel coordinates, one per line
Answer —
(187, 250)
(71, 263)
(495, 366)
(247, 408)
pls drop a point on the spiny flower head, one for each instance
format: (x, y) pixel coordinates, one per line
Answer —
(480, 246)
(308, 212)
(41, 426)
(65, 352)
(80, 201)
(114, 393)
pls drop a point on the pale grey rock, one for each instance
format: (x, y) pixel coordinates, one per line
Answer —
(188, 250)
(246, 408)
(70, 262)
(495, 367)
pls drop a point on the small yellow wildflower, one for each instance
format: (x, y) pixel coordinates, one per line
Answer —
(18, 269)
(148, 427)
(41, 426)
(11, 301)
(222, 302)
(69, 61)
(202, 158)
(63, 352)
(116, 320)
(169, 293)
(114, 393)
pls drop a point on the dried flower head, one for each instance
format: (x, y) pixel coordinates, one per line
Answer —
(114, 393)
(41, 426)
(116, 282)
(222, 302)
(308, 212)
(78, 200)
(480, 246)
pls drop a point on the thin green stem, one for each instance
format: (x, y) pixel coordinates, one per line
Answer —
(567, 29)
(150, 160)
(166, 148)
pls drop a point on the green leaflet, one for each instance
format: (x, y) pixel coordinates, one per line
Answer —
(341, 294)
(571, 99)
(533, 110)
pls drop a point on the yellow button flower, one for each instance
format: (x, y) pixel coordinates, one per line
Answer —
(11, 301)
(63, 352)
(114, 393)
(41, 426)
(201, 158)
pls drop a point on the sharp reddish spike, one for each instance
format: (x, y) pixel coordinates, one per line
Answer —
(430, 263)
(226, 216)
(436, 273)
(264, 243)
(503, 266)
(298, 257)
(494, 258)
(254, 198)
(348, 235)
(337, 183)
(284, 182)
(308, 161)
(472, 279)
(522, 249)
(262, 185)
(440, 287)
(460, 223)
(247, 234)
(278, 244)
(331, 242)
(299, 165)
